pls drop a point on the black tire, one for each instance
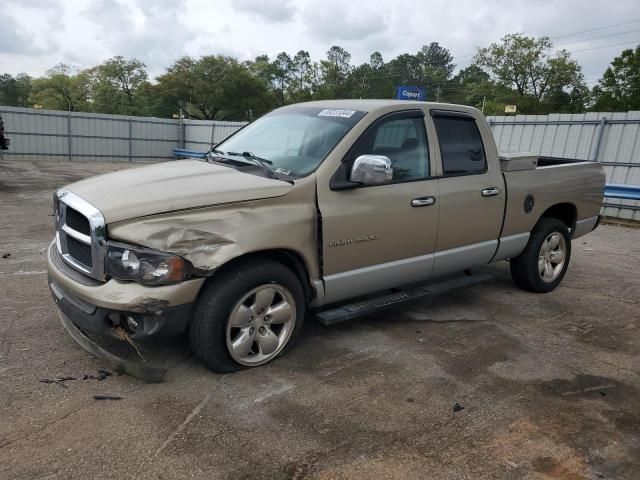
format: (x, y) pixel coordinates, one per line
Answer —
(524, 267)
(208, 328)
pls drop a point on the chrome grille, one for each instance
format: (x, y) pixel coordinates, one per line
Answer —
(80, 234)
(77, 221)
(80, 251)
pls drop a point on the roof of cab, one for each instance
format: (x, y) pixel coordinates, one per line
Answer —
(371, 105)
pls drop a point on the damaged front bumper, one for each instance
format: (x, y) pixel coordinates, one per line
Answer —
(165, 322)
(143, 311)
(135, 369)
(86, 305)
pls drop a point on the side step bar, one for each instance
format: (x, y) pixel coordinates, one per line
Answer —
(366, 307)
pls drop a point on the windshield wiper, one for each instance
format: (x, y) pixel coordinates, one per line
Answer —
(251, 155)
(263, 163)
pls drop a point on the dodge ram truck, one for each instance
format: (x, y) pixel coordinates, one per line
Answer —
(333, 207)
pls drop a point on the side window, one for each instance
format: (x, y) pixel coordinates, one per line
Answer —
(403, 141)
(461, 147)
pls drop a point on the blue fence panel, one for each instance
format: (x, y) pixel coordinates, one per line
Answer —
(626, 192)
(184, 153)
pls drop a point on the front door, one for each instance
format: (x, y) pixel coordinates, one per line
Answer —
(383, 236)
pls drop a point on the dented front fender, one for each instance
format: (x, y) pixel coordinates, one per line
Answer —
(211, 236)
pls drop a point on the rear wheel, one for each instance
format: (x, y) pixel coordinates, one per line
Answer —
(544, 262)
(247, 316)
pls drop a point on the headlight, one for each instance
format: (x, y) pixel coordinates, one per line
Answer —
(144, 265)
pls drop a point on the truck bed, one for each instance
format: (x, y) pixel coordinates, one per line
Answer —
(552, 161)
(553, 181)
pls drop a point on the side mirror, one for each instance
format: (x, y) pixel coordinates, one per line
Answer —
(372, 170)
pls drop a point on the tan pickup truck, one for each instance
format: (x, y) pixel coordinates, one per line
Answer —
(337, 207)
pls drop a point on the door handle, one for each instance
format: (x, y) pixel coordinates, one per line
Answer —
(490, 192)
(423, 201)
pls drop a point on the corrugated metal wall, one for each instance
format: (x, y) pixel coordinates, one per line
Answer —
(39, 134)
(612, 139)
(200, 134)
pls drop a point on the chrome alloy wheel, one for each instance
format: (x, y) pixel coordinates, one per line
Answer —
(552, 256)
(260, 324)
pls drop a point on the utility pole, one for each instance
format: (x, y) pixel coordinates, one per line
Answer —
(438, 94)
(483, 99)
(364, 78)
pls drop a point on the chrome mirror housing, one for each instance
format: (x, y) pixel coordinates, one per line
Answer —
(372, 170)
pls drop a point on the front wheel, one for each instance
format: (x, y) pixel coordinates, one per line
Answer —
(247, 316)
(544, 262)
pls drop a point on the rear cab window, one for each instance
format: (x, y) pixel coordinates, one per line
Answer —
(461, 148)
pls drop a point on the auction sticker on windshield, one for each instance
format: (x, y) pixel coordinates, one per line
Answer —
(336, 113)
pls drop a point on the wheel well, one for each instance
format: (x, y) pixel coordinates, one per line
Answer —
(565, 212)
(289, 258)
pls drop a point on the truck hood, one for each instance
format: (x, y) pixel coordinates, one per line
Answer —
(170, 186)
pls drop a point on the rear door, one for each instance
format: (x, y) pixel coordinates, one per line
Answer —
(378, 237)
(471, 195)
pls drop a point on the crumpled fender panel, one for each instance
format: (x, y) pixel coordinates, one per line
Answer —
(211, 236)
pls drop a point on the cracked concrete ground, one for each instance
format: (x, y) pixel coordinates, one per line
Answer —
(550, 384)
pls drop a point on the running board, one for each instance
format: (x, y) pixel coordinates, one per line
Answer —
(372, 305)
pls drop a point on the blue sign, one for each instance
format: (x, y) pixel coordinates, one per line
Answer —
(404, 92)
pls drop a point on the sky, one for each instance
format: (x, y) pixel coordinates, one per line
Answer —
(38, 34)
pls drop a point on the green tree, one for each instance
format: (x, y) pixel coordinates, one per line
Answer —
(335, 71)
(282, 76)
(261, 68)
(302, 77)
(435, 63)
(372, 80)
(61, 88)
(14, 91)
(405, 69)
(470, 86)
(431, 67)
(214, 87)
(116, 85)
(619, 88)
(542, 79)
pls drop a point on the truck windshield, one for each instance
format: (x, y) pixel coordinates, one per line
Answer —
(294, 140)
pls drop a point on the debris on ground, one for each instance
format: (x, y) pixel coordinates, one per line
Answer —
(107, 397)
(58, 380)
(457, 407)
(102, 374)
(6, 255)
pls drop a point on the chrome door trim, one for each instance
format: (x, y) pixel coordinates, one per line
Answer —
(511, 246)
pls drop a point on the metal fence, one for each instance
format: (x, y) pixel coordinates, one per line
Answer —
(201, 134)
(37, 134)
(613, 139)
